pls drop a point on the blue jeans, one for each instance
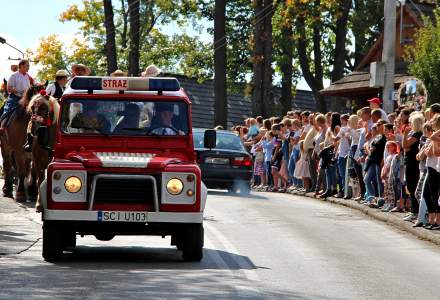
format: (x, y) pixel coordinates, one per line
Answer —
(423, 209)
(342, 163)
(330, 178)
(291, 167)
(372, 181)
(10, 105)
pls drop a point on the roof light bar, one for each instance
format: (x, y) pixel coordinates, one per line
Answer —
(125, 83)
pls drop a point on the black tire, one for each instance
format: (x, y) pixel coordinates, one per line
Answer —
(192, 242)
(52, 242)
(176, 240)
(69, 239)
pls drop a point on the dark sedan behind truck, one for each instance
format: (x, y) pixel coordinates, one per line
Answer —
(228, 165)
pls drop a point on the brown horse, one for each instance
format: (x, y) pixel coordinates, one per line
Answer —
(12, 141)
(44, 111)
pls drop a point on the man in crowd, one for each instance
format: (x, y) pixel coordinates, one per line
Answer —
(375, 104)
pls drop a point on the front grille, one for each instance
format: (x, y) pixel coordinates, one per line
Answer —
(125, 190)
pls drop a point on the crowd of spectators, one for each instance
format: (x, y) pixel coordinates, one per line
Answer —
(390, 162)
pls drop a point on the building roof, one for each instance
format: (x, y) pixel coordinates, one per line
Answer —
(422, 9)
(239, 106)
(357, 82)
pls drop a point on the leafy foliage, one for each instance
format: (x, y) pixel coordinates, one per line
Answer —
(174, 53)
(424, 57)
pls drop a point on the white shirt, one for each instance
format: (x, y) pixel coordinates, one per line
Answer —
(164, 131)
(344, 145)
(51, 89)
(20, 82)
(355, 136)
(306, 129)
(432, 162)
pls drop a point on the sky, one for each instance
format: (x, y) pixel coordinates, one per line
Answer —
(24, 22)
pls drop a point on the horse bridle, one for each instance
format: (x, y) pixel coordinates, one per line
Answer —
(45, 120)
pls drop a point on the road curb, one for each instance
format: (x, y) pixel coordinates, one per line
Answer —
(389, 218)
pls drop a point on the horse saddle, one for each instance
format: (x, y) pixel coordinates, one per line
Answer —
(9, 117)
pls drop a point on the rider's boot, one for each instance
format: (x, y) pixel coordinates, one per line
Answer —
(28, 146)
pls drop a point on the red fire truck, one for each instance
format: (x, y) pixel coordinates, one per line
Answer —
(123, 164)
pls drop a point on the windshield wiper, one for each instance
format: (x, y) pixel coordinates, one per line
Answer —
(93, 128)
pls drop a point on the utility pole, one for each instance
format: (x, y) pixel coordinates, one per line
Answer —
(389, 54)
(220, 78)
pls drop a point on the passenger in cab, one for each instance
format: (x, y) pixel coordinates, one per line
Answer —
(89, 121)
(130, 119)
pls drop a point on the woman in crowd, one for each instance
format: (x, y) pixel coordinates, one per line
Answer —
(343, 138)
(321, 123)
(432, 188)
(410, 143)
(425, 142)
(328, 155)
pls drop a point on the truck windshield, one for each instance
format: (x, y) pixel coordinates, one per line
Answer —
(115, 117)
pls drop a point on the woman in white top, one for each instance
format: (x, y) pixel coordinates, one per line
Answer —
(432, 188)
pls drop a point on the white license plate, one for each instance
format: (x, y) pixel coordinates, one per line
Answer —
(122, 216)
(217, 160)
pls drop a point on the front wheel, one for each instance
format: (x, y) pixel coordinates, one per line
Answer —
(192, 242)
(52, 242)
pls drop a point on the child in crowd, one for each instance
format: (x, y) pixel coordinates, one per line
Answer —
(302, 167)
(390, 176)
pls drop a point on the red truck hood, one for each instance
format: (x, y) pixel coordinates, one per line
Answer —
(121, 159)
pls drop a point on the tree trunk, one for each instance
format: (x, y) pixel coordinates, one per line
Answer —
(314, 80)
(258, 61)
(133, 60)
(286, 69)
(341, 40)
(262, 97)
(267, 78)
(124, 15)
(110, 42)
(220, 90)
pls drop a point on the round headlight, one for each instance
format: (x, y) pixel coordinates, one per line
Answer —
(73, 184)
(174, 186)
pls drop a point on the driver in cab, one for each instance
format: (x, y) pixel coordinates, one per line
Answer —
(163, 121)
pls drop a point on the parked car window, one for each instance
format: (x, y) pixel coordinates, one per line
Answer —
(225, 141)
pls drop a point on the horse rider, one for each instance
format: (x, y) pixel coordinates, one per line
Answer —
(56, 89)
(18, 83)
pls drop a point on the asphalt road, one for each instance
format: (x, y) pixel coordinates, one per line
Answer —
(268, 246)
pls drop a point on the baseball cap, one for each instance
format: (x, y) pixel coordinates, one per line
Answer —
(375, 100)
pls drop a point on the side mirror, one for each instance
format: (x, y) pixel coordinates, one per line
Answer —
(43, 136)
(210, 138)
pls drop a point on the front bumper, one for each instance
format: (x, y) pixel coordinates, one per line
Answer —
(96, 216)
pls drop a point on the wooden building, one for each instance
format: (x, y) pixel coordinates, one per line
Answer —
(355, 87)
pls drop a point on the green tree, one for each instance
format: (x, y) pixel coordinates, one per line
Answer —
(52, 57)
(424, 57)
(153, 43)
